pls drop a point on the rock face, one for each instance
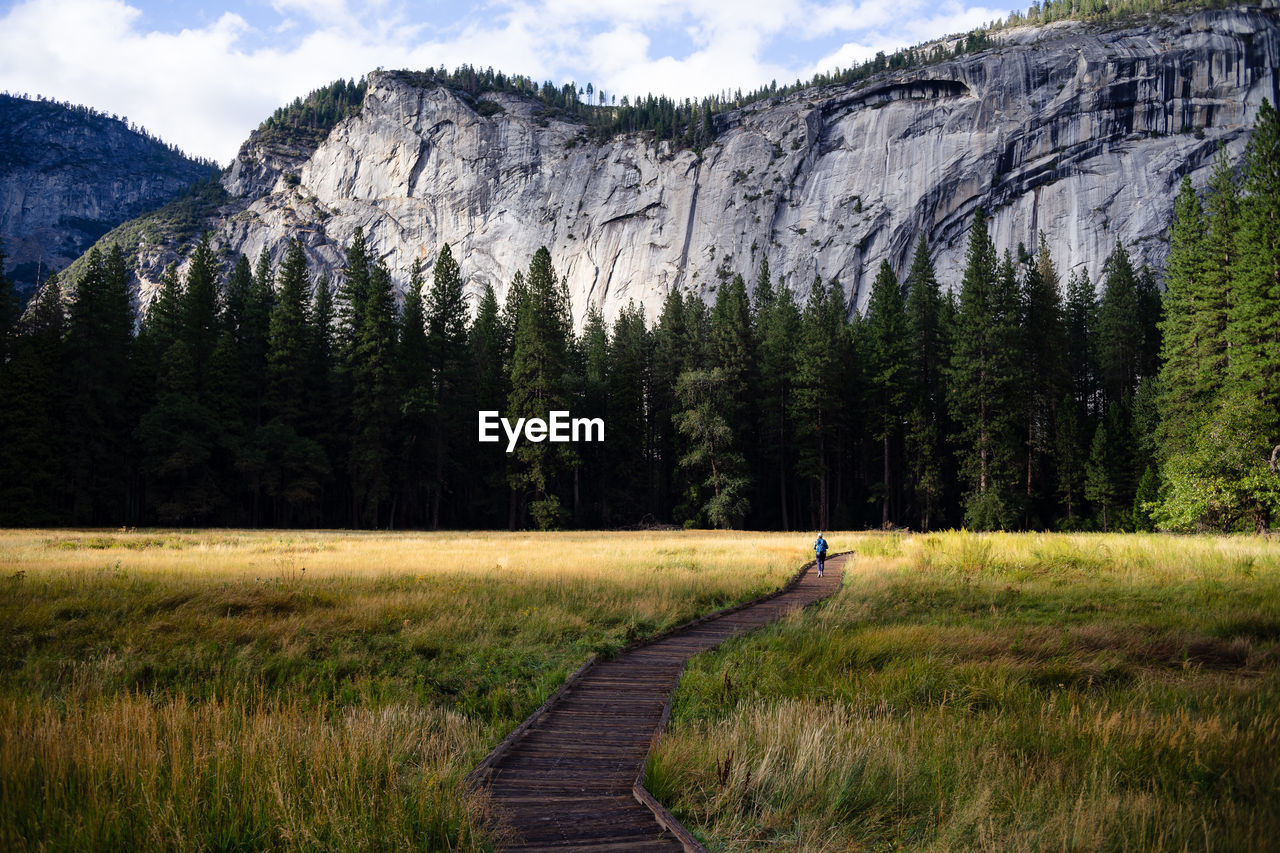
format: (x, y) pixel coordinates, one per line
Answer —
(1076, 131)
(68, 175)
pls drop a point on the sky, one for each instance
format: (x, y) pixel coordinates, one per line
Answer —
(203, 75)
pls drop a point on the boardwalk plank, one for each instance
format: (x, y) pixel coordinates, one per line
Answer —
(565, 783)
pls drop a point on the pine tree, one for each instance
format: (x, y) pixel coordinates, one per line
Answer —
(1044, 346)
(323, 416)
(253, 331)
(486, 339)
(594, 401)
(719, 478)
(9, 309)
(289, 339)
(888, 368)
(1187, 386)
(354, 292)
(1120, 332)
(446, 317)
(817, 403)
(239, 285)
(985, 376)
(417, 455)
(1081, 322)
(539, 364)
(779, 325)
(627, 440)
(31, 382)
(98, 350)
(1252, 329)
(926, 404)
(1106, 460)
(178, 436)
(201, 312)
(669, 361)
(376, 399)
(733, 345)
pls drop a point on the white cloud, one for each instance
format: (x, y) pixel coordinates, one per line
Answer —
(204, 88)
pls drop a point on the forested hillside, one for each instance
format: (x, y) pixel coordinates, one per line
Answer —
(69, 174)
(257, 396)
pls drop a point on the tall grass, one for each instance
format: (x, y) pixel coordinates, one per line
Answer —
(238, 690)
(997, 692)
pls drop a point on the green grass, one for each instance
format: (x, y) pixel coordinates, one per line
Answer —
(228, 690)
(997, 692)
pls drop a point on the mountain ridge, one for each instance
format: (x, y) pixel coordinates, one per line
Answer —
(1080, 130)
(70, 174)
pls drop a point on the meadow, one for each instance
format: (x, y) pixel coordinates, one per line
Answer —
(224, 690)
(996, 692)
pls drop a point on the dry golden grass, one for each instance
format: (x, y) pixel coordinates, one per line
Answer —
(998, 692)
(304, 690)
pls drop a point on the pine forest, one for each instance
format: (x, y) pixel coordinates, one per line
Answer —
(252, 395)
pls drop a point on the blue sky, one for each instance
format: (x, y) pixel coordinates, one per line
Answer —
(203, 75)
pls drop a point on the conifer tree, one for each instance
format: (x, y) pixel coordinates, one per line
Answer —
(178, 436)
(98, 350)
(446, 317)
(486, 339)
(1106, 458)
(627, 438)
(288, 358)
(1044, 347)
(926, 404)
(669, 361)
(823, 352)
(779, 325)
(1080, 318)
(719, 488)
(1072, 459)
(594, 400)
(201, 312)
(376, 399)
(417, 444)
(239, 284)
(539, 364)
(8, 307)
(1187, 385)
(31, 383)
(253, 329)
(1120, 332)
(354, 292)
(323, 417)
(1252, 328)
(733, 345)
(885, 327)
(985, 379)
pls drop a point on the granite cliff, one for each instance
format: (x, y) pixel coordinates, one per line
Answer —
(1080, 131)
(68, 175)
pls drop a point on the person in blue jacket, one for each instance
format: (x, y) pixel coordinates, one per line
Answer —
(820, 551)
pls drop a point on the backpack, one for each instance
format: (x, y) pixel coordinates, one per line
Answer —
(820, 546)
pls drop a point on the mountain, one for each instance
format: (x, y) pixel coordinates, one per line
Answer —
(1079, 130)
(69, 174)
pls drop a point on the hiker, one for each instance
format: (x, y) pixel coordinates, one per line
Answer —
(820, 551)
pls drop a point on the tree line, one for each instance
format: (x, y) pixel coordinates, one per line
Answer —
(1007, 402)
(55, 108)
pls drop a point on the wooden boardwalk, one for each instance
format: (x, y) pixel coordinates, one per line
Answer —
(569, 778)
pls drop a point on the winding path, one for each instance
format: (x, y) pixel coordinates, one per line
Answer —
(570, 778)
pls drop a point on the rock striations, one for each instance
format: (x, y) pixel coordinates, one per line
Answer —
(1079, 131)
